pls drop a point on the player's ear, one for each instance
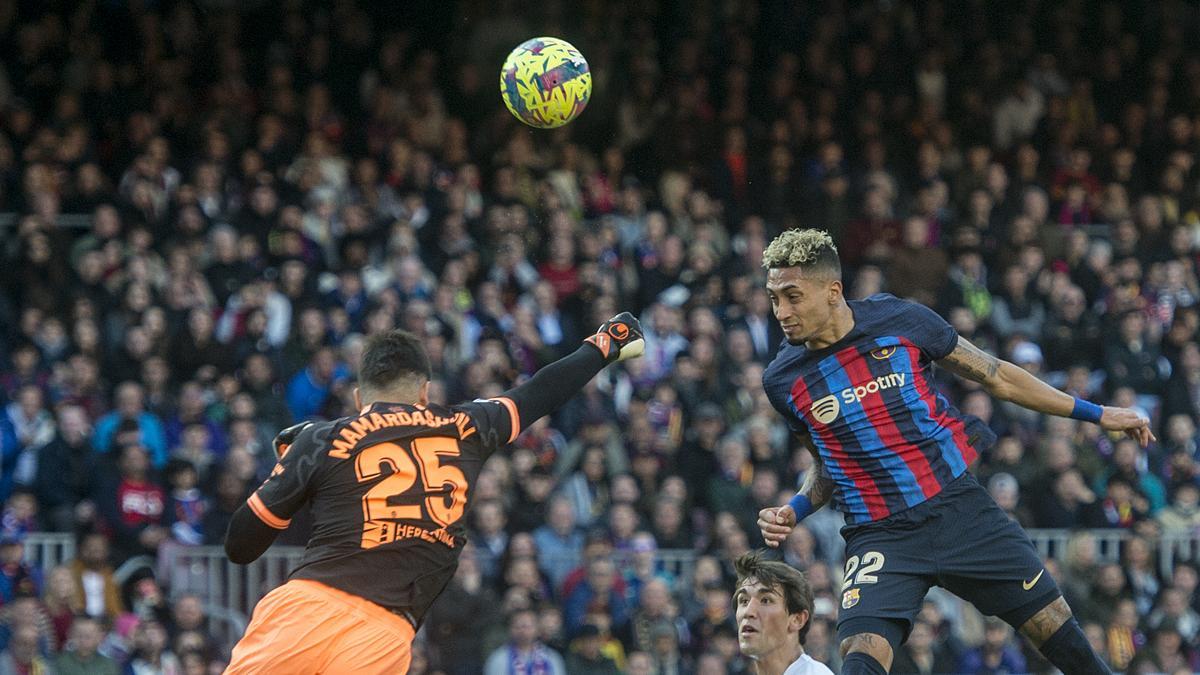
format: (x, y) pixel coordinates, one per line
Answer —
(835, 291)
(424, 396)
(797, 621)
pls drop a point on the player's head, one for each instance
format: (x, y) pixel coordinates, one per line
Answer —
(394, 368)
(773, 603)
(804, 282)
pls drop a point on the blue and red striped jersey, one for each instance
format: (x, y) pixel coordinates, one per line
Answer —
(889, 440)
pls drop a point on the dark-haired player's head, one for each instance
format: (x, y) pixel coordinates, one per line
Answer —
(773, 604)
(804, 282)
(394, 369)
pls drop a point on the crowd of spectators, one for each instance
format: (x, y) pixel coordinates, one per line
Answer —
(263, 186)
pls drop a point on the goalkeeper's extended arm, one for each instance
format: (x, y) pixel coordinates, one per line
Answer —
(620, 338)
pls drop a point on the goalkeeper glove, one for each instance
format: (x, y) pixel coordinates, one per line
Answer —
(284, 439)
(619, 338)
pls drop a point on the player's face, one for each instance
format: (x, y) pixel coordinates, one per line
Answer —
(763, 622)
(803, 306)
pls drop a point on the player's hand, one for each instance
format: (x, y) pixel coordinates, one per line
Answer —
(776, 523)
(283, 440)
(620, 338)
(1133, 423)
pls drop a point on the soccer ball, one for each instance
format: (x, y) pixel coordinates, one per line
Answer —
(545, 82)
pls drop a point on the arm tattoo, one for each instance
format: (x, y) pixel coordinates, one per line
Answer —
(971, 362)
(817, 483)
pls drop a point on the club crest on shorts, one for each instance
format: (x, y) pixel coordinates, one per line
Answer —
(826, 409)
(850, 598)
(883, 353)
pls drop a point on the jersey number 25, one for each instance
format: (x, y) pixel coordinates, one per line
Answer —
(444, 507)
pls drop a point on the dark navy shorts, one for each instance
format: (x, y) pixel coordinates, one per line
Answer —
(959, 540)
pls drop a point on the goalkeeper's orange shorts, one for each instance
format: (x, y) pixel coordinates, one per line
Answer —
(307, 628)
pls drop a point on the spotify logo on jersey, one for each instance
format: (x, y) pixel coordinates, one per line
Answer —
(826, 409)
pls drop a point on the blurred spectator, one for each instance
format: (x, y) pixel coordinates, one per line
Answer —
(1141, 573)
(1006, 491)
(151, 655)
(1131, 360)
(1123, 635)
(1183, 514)
(1014, 310)
(643, 565)
(667, 656)
(17, 577)
(134, 508)
(1167, 652)
(1071, 334)
(192, 411)
(63, 602)
(66, 471)
(187, 615)
(920, 654)
(715, 617)
(1173, 607)
(1183, 389)
(489, 537)
(585, 656)
(185, 506)
(456, 625)
(1079, 567)
(80, 656)
(656, 608)
(131, 423)
(917, 268)
(310, 389)
(587, 487)
(523, 652)
(1130, 463)
(559, 541)
(532, 495)
(1068, 504)
(34, 427)
(997, 653)
(98, 592)
(22, 655)
(597, 592)
(1122, 506)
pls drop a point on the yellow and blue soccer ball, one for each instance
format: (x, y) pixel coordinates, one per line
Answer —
(545, 82)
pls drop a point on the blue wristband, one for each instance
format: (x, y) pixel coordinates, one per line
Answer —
(1087, 411)
(802, 505)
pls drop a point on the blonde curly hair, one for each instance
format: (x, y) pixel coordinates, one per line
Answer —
(802, 248)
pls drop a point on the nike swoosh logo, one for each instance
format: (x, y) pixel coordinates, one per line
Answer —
(1030, 584)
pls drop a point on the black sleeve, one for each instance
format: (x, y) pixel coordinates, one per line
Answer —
(500, 419)
(248, 536)
(269, 510)
(290, 483)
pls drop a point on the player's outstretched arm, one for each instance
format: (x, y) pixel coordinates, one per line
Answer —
(619, 339)
(1010, 382)
(776, 522)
